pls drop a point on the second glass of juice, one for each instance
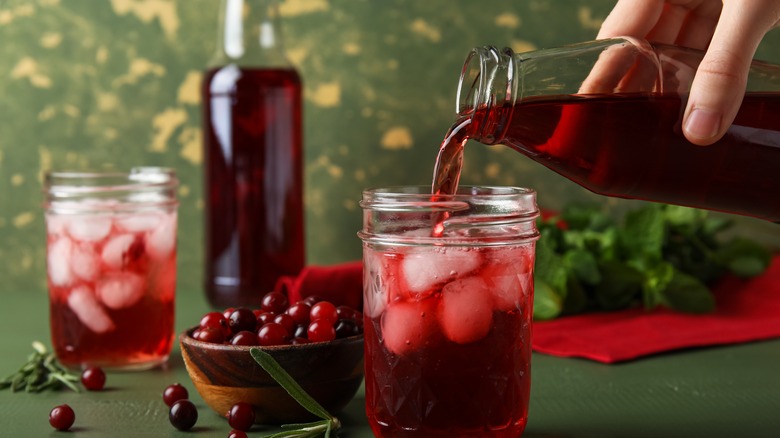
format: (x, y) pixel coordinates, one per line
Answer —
(111, 258)
(448, 293)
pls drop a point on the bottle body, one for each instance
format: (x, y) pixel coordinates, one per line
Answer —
(614, 127)
(253, 148)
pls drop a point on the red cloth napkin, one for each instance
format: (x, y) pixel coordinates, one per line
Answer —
(340, 284)
(747, 310)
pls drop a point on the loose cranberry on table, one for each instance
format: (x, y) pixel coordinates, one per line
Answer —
(237, 434)
(241, 416)
(183, 415)
(62, 417)
(174, 393)
(93, 378)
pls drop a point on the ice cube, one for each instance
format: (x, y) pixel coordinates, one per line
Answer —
(506, 286)
(422, 271)
(408, 326)
(55, 225)
(89, 228)
(374, 287)
(120, 290)
(84, 261)
(466, 310)
(161, 242)
(86, 307)
(139, 222)
(116, 250)
(58, 262)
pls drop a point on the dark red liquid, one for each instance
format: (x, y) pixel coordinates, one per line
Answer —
(633, 147)
(254, 182)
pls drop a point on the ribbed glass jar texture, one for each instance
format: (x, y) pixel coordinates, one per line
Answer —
(448, 294)
(111, 266)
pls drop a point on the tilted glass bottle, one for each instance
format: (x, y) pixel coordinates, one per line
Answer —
(607, 114)
(253, 149)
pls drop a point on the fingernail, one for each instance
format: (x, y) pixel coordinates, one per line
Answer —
(702, 124)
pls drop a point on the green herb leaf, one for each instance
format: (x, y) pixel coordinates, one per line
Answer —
(328, 424)
(583, 265)
(744, 258)
(687, 294)
(41, 371)
(643, 233)
(621, 286)
(547, 303)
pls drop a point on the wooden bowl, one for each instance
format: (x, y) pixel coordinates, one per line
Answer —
(331, 372)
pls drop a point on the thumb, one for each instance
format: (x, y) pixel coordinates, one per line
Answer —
(719, 86)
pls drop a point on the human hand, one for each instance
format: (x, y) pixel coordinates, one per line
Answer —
(729, 31)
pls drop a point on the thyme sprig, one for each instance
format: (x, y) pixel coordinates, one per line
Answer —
(42, 371)
(329, 424)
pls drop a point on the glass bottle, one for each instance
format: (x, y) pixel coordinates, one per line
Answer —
(253, 145)
(607, 114)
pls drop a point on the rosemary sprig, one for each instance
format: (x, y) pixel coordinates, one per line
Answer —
(41, 371)
(324, 427)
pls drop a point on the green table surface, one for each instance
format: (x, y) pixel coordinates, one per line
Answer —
(731, 391)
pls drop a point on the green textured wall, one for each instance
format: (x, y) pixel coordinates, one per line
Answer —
(114, 83)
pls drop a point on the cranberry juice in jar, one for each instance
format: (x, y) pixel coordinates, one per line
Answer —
(448, 312)
(111, 259)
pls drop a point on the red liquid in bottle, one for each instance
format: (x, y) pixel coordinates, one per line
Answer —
(254, 182)
(633, 147)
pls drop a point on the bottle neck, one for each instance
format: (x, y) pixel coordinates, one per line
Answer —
(487, 90)
(250, 35)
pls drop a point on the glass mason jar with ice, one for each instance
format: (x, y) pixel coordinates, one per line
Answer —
(111, 259)
(448, 294)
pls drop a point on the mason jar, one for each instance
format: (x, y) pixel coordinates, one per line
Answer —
(448, 295)
(111, 266)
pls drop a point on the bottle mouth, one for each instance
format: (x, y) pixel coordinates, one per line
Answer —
(486, 79)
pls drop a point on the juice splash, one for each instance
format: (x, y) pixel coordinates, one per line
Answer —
(112, 284)
(254, 182)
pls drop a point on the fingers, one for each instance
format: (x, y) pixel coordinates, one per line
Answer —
(631, 17)
(719, 85)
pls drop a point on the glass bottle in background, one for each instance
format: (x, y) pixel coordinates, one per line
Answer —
(253, 154)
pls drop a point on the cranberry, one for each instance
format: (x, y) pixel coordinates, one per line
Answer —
(242, 319)
(214, 335)
(321, 331)
(62, 417)
(272, 334)
(264, 318)
(183, 414)
(226, 313)
(241, 416)
(174, 393)
(346, 312)
(301, 331)
(274, 302)
(216, 320)
(245, 338)
(312, 300)
(93, 378)
(237, 434)
(285, 321)
(299, 340)
(346, 328)
(324, 310)
(299, 312)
